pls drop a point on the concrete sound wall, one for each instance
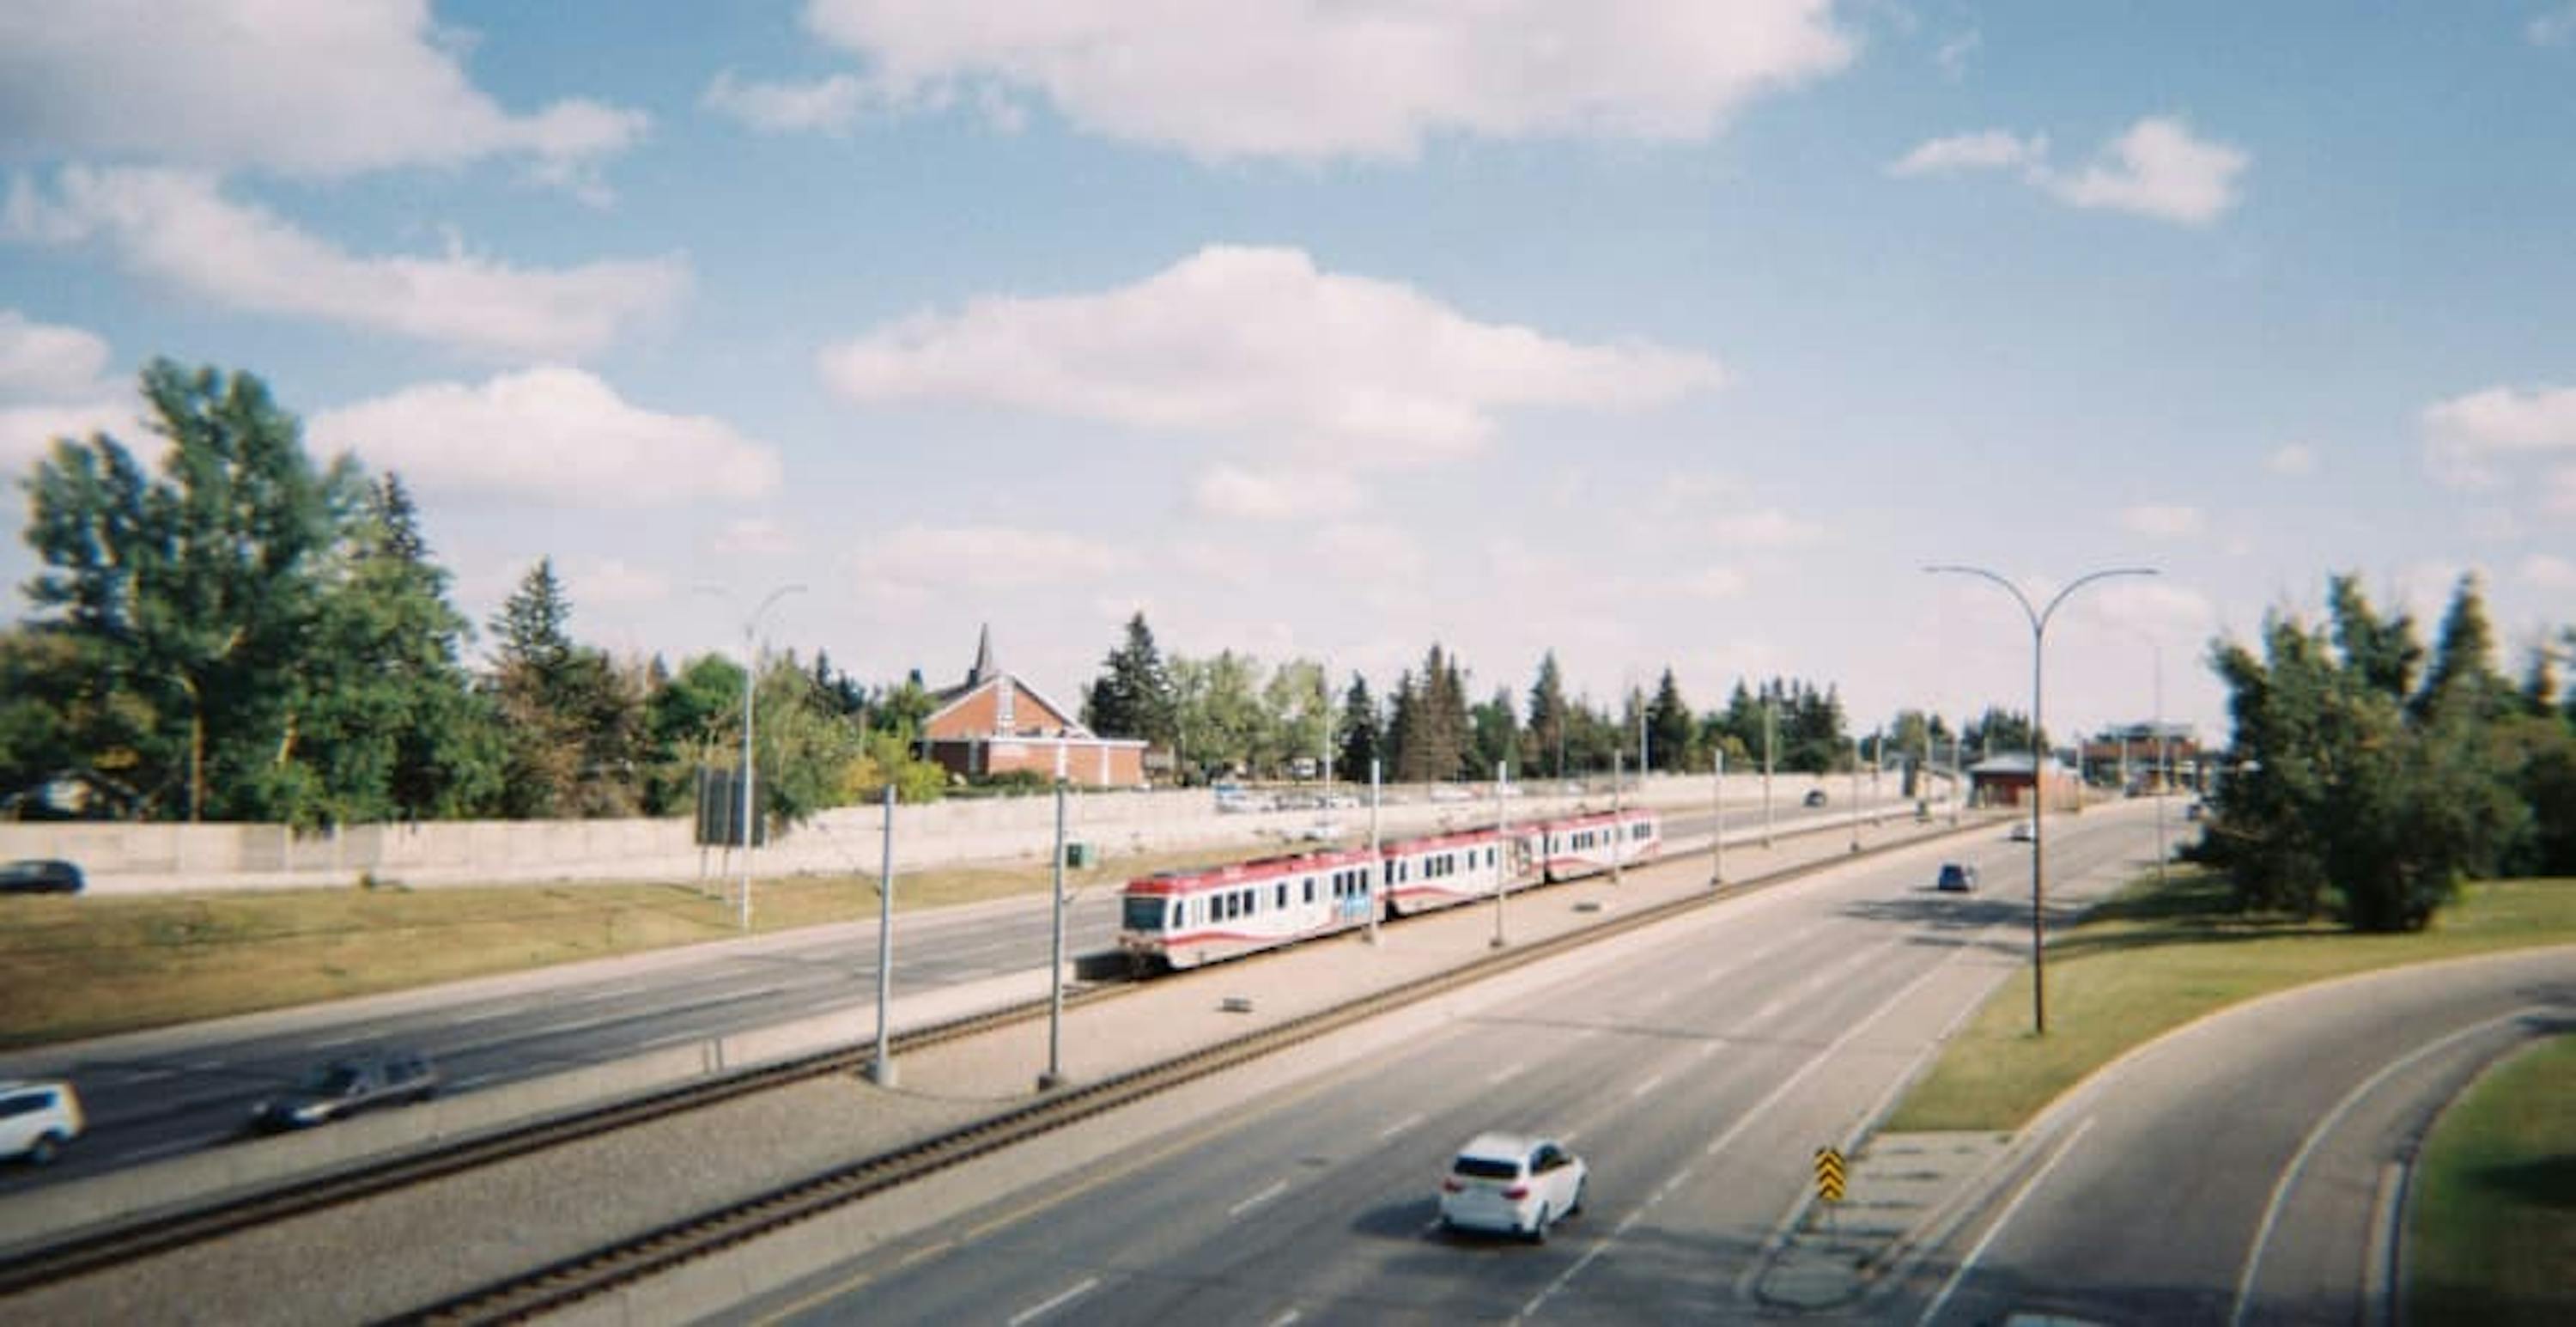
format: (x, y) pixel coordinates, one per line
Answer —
(155, 858)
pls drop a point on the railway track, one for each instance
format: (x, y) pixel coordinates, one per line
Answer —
(565, 1283)
(161, 1234)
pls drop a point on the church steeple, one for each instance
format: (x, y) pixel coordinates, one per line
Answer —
(983, 668)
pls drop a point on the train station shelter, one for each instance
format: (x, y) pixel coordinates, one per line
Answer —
(2007, 781)
(994, 723)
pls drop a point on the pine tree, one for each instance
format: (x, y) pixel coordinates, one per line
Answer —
(1670, 728)
(1547, 719)
(1363, 732)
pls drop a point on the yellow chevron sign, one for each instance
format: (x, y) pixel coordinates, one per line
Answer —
(1829, 1174)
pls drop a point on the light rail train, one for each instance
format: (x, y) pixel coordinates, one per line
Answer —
(1183, 919)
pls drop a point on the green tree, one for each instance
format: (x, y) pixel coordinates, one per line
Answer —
(195, 593)
(1297, 715)
(1497, 733)
(2462, 677)
(1545, 740)
(1363, 732)
(1671, 732)
(575, 721)
(1133, 696)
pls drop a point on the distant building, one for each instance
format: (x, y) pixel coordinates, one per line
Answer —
(2134, 758)
(994, 723)
(2006, 781)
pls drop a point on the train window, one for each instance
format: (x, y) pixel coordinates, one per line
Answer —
(1283, 892)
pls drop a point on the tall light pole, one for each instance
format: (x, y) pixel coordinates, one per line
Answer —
(1717, 836)
(1855, 795)
(750, 671)
(1770, 722)
(881, 1069)
(1503, 849)
(2038, 772)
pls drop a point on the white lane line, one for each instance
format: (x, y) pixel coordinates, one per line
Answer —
(1645, 1087)
(1769, 1009)
(1276, 1188)
(342, 1040)
(1284, 1319)
(2028, 1187)
(1505, 1074)
(1399, 1126)
(2379, 1305)
(1743, 1122)
(2290, 1176)
(1036, 1311)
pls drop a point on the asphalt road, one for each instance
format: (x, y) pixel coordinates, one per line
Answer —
(2246, 1170)
(157, 1095)
(1696, 1076)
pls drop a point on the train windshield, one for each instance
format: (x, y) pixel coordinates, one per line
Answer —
(1144, 914)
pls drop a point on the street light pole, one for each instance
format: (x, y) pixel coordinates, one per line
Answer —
(1855, 795)
(750, 670)
(1502, 850)
(2038, 774)
(1717, 837)
(881, 1070)
(1770, 721)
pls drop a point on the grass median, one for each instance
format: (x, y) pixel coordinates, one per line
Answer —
(2154, 958)
(85, 967)
(2491, 1229)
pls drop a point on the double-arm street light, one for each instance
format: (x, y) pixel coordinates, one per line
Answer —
(2038, 770)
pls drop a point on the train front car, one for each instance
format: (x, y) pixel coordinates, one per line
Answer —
(1182, 919)
(1586, 844)
(1444, 870)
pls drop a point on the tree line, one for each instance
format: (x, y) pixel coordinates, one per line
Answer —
(238, 633)
(2367, 779)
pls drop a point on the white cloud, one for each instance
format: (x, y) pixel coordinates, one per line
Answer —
(1372, 556)
(2466, 435)
(1316, 79)
(829, 105)
(41, 361)
(920, 561)
(1711, 583)
(1988, 149)
(554, 435)
(2296, 458)
(1257, 343)
(177, 228)
(2560, 498)
(2553, 28)
(1765, 529)
(28, 432)
(308, 89)
(1953, 54)
(2162, 609)
(755, 535)
(613, 583)
(1277, 495)
(2162, 521)
(2549, 572)
(2161, 171)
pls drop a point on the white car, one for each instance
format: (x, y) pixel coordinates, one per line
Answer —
(1512, 1184)
(2024, 831)
(36, 1119)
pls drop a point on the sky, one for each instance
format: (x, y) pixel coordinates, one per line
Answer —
(1659, 333)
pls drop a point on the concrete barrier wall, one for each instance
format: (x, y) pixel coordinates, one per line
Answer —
(152, 858)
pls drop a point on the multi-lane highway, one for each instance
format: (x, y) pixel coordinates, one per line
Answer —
(161, 1094)
(1697, 1073)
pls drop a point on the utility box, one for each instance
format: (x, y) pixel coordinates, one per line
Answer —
(1081, 856)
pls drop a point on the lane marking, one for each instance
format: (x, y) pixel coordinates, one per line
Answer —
(1645, 1087)
(1505, 1075)
(1036, 1311)
(1276, 1188)
(2028, 1187)
(2290, 1175)
(1284, 1319)
(1399, 1126)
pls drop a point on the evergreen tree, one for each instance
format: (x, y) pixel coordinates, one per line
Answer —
(1133, 697)
(1670, 729)
(1547, 719)
(1497, 733)
(2463, 673)
(1363, 733)
(2382, 653)
(1404, 742)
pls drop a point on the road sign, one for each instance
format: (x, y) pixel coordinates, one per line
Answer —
(1829, 1174)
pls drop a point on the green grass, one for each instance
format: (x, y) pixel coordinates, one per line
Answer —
(84, 967)
(2150, 960)
(2491, 1230)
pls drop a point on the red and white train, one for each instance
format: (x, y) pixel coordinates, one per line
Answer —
(1182, 919)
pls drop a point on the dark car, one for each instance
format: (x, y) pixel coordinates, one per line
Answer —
(37, 876)
(345, 1087)
(1957, 878)
(1816, 797)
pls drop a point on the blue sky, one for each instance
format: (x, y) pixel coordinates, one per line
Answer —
(1658, 332)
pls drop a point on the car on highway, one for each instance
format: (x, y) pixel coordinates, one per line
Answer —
(1511, 1184)
(40, 876)
(347, 1086)
(37, 1119)
(1815, 797)
(2024, 831)
(1956, 878)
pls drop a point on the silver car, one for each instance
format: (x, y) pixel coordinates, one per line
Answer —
(1511, 1184)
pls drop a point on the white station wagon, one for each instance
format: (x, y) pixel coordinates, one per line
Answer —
(1512, 1184)
(36, 1119)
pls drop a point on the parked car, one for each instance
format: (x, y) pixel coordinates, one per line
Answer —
(1231, 798)
(1815, 797)
(2024, 831)
(2194, 811)
(348, 1086)
(37, 1119)
(1511, 1184)
(1957, 878)
(40, 876)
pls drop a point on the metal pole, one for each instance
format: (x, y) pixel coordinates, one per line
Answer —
(881, 1071)
(1958, 779)
(1717, 835)
(2161, 757)
(1502, 851)
(1618, 830)
(1377, 858)
(1054, 1075)
(750, 666)
(1770, 721)
(1855, 796)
